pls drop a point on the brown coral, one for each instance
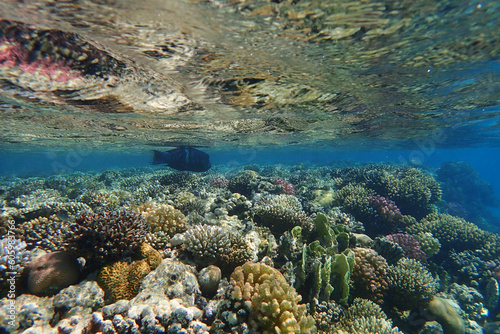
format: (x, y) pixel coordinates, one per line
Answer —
(273, 303)
(369, 275)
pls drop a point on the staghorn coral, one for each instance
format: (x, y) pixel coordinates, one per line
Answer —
(49, 273)
(369, 275)
(364, 317)
(281, 213)
(106, 236)
(410, 246)
(273, 303)
(410, 284)
(121, 280)
(212, 245)
(164, 222)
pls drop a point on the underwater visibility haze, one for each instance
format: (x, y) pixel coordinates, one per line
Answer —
(250, 166)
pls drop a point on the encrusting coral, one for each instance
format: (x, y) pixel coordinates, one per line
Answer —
(273, 303)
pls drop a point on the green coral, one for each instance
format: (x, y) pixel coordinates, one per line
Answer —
(364, 317)
(273, 303)
(428, 243)
(452, 232)
(410, 284)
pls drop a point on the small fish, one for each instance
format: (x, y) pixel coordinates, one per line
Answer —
(183, 158)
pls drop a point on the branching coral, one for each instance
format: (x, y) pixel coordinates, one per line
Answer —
(273, 303)
(428, 243)
(369, 275)
(410, 246)
(364, 317)
(164, 222)
(452, 232)
(212, 245)
(281, 213)
(106, 236)
(410, 283)
(45, 233)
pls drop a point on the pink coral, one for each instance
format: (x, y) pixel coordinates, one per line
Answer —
(410, 246)
(369, 275)
(385, 208)
(287, 188)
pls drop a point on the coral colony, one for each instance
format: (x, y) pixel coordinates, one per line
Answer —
(298, 249)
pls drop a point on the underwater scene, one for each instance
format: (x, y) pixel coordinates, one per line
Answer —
(249, 166)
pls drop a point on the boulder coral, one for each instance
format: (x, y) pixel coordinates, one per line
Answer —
(272, 301)
(369, 275)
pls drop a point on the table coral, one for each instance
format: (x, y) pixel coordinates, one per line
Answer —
(274, 304)
(369, 275)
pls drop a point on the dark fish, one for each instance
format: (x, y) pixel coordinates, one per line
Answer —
(183, 158)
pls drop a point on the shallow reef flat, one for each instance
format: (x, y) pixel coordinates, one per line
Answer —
(373, 248)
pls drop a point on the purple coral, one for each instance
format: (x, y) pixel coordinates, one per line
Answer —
(219, 182)
(386, 208)
(410, 246)
(287, 187)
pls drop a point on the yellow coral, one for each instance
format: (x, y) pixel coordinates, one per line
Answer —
(150, 255)
(273, 302)
(121, 280)
(164, 221)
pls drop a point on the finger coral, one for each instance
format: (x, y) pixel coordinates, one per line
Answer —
(164, 222)
(106, 236)
(369, 275)
(273, 303)
(281, 213)
(410, 283)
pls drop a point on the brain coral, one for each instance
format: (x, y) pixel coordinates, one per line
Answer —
(164, 221)
(410, 283)
(364, 317)
(273, 303)
(281, 213)
(369, 275)
(106, 236)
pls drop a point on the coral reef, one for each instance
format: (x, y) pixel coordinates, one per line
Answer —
(410, 284)
(369, 275)
(106, 236)
(287, 187)
(49, 273)
(13, 257)
(273, 303)
(47, 233)
(121, 279)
